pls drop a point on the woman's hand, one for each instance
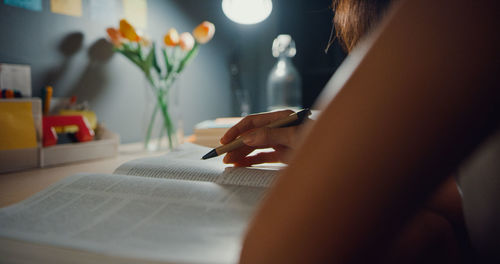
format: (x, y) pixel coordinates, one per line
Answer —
(256, 135)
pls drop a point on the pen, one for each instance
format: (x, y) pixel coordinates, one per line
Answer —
(291, 120)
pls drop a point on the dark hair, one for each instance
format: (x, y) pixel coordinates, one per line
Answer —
(354, 18)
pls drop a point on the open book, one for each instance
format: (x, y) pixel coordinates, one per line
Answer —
(173, 208)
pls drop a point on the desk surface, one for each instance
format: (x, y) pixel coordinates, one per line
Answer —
(17, 186)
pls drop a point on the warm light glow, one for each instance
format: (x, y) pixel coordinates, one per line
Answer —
(247, 11)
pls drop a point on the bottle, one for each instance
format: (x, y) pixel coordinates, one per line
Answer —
(284, 83)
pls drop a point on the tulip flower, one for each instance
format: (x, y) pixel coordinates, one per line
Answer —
(171, 38)
(145, 42)
(161, 77)
(115, 36)
(186, 41)
(128, 31)
(204, 32)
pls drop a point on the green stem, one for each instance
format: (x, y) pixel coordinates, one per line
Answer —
(150, 126)
(190, 55)
(162, 130)
(166, 117)
(162, 96)
(152, 82)
(168, 63)
(160, 86)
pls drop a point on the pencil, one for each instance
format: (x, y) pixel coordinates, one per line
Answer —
(47, 96)
(291, 120)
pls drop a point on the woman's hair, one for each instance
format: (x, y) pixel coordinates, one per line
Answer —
(354, 18)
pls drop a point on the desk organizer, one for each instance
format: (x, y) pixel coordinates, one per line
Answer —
(19, 159)
(105, 145)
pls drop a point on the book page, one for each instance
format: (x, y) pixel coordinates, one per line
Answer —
(136, 217)
(185, 164)
(251, 176)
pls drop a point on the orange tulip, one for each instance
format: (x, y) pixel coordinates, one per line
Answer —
(186, 41)
(128, 31)
(204, 32)
(114, 36)
(144, 41)
(171, 38)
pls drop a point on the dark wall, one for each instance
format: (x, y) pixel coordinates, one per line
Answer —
(310, 25)
(71, 54)
(249, 46)
(309, 22)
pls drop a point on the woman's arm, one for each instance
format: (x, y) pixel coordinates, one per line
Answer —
(415, 101)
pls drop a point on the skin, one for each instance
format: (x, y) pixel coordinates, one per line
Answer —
(256, 135)
(358, 178)
(434, 227)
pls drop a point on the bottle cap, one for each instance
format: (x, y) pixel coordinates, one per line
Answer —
(284, 45)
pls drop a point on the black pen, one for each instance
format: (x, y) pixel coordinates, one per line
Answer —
(291, 120)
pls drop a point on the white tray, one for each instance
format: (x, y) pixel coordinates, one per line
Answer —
(105, 145)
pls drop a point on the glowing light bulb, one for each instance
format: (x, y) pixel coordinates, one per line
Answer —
(247, 11)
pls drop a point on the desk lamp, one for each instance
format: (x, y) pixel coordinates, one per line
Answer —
(247, 11)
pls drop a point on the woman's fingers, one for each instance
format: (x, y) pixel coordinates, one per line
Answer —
(262, 157)
(255, 135)
(281, 139)
(269, 137)
(251, 122)
(241, 159)
(237, 154)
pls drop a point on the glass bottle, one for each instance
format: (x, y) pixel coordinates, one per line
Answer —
(284, 83)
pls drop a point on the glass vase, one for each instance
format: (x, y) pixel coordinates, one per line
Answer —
(164, 126)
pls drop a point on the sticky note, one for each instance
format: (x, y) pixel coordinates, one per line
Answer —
(17, 127)
(136, 12)
(66, 7)
(16, 77)
(34, 5)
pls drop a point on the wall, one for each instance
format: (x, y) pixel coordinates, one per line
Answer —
(249, 46)
(71, 54)
(310, 25)
(309, 22)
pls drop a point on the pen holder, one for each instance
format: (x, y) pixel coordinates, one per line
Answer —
(85, 133)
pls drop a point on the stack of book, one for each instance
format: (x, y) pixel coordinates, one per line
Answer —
(209, 132)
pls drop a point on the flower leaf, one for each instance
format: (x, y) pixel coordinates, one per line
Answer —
(155, 61)
(148, 62)
(139, 51)
(131, 56)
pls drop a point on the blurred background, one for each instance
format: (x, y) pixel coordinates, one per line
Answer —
(71, 53)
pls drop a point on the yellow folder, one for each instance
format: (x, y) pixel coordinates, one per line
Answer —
(17, 127)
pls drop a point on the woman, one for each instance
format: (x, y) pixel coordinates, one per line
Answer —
(353, 19)
(413, 103)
